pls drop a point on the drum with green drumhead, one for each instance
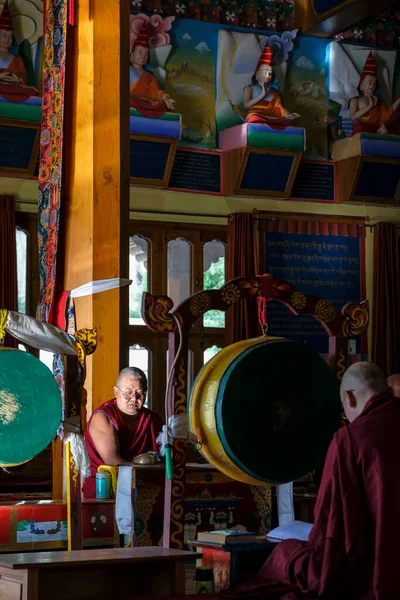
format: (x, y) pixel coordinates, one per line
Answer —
(264, 410)
(30, 407)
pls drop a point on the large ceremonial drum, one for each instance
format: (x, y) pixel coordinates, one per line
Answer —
(30, 407)
(264, 410)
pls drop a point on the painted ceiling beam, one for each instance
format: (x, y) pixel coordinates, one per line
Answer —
(325, 18)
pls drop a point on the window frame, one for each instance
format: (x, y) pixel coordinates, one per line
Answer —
(158, 235)
(27, 221)
(27, 267)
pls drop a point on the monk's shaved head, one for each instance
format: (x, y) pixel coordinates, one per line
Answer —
(394, 384)
(360, 383)
(364, 376)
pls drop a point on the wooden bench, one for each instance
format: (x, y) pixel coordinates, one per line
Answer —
(103, 574)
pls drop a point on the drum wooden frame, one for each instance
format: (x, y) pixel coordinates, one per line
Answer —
(160, 316)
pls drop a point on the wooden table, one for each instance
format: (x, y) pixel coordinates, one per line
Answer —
(105, 574)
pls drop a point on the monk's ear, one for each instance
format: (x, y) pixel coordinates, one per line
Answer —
(352, 399)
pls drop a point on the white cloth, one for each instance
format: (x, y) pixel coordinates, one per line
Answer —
(39, 335)
(100, 285)
(284, 496)
(178, 429)
(296, 530)
(78, 449)
(124, 514)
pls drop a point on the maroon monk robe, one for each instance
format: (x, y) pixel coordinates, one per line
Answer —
(148, 427)
(352, 551)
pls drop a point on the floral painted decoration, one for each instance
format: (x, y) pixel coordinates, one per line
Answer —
(156, 28)
(269, 15)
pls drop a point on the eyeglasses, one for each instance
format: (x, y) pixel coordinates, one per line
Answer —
(127, 394)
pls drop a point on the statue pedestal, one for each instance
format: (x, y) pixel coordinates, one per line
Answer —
(368, 169)
(260, 160)
(20, 137)
(153, 144)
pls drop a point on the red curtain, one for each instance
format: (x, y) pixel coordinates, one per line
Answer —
(386, 299)
(242, 317)
(311, 227)
(8, 259)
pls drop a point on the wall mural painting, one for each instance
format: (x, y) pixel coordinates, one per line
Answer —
(207, 72)
(190, 80)
(204, 69)
(21, 51)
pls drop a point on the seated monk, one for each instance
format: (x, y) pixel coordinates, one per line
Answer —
(144, 91)
(122, 428)
(13, 76)
(351, 552)
(263, 102)
(368, 112)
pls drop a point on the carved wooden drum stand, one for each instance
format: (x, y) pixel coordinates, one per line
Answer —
(264, 410)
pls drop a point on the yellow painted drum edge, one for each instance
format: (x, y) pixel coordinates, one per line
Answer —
(7, 465)
(202, 409)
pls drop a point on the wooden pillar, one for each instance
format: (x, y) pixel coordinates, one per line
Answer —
(96, 184)
(174, 495)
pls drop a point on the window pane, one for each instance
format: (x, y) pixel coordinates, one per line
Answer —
(22, 347)
(139, 357)
(210, 352)
(179, 270)
(22, 259)
(46, 358)
(214, 278)
(139, 248)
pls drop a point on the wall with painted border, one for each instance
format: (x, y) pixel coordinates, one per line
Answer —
(163, 202)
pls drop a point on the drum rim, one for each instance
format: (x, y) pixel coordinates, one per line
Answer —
(29, 357)
(219, 409)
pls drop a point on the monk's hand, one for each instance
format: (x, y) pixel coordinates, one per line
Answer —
(264, 89)
(11, 78)
(5, 76)
(168, 102)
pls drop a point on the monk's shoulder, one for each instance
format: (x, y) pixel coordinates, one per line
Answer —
(341, 441)
(100, 419)
(105, 414)
(147, 78)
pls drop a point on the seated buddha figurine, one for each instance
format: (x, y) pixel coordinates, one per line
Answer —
(369, 112)
(12, 68)
(145, 93)
(262, 101)
(13, 75)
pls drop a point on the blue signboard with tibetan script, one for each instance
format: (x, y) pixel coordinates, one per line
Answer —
(324, 265)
